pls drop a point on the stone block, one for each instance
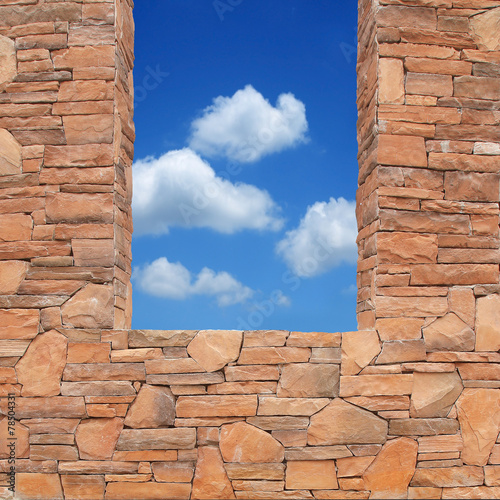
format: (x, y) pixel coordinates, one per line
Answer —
(448, 477)
(8, 63)
(422, 426)
(402, 351)
(250, 373)
(157, 439)
(124, 490)
(269, 405)
(448, 333)
(401, 150)
(79, 208)
(84, 352)
(311, 475)
(38, 485)
(211, 481)
(84, 57)
(471, 186)
(160, 338)
(10, 154)
(153, 407)
(83, 487)
(216, 406)
(96, 438)
(488, 323)
(376, 385)
(267, 471)
(303, 380)
(19, 323)
(273, 355)
(104, 371)
(358, 350)
(407, 248)
(88, 129)
(391, 81)
(313, 339)
(22, 449)
(429, 84)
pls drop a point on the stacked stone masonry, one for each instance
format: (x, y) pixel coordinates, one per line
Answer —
(406, 407)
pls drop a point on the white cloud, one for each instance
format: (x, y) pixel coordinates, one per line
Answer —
(246, 127)
(172, 280)
(181, 189)
(325, 238)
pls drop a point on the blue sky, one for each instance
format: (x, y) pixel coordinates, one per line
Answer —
(245, 165)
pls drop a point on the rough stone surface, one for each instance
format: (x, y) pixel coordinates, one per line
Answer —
(8, 63)
(304, 380)
(488, 323)
(485, 28)
(10, 153)
(215, 349)
(314, 475)
(22, 440)
(449, 333)
(391, 81)
(40, 370)
(343, 423)
(479, 417)
(91, 307)
(434, 394)
(153, 407)
(241, 442)
(96, 438)
(210, 480)
(448, 476)
(358, 349)
(156, 439)
(37, 485)
(390, 473)
(12, 274)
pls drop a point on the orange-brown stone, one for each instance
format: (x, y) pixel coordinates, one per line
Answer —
(40, 369)
(311, 475)
(210, 480)
(303, 380)
(96, 438)
(488, 323)
(358, 350)
(153, 407)
(12, 273)
(125, 490)
(479, 417)
(343, 423)
(85, 352)
(244, 443)
(449, 333)
(15, 227)
(38, 486)
(214, 349)
(390, 473)
(82, 487)
(22, 439)
(8, 66)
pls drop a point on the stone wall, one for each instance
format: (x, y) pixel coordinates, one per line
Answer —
(406, 407)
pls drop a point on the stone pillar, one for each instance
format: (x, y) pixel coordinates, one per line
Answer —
(428, 197)
(66, 147)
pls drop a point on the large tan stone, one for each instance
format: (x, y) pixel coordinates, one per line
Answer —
(390, 473)
(173, 472)
(10, 153)
(157, 439)
(244, 443)
(479, 417)
(153, 407)
(96, 438)
(83, 487)
(210, 480)
(214, 349)
(488, 323)
(22, 439)
(15, 227)
(434, 394)
(79, 207)
(401, 150)
(406, 248)
(40, 369)
(91, 307)
(125, 490)
(448, 476)
(216, 406)
(402, 351)
(376, 385)
(50, 408)
(304, 380)
(12, 273)
(358, 350)
(343, 423)
(422, 426)
(391, 81)
(269, 405)
(311, 475)
(8, 63)
(88, 129)
(160, 338)
(449, 333)
(485, 28)
(38, 486)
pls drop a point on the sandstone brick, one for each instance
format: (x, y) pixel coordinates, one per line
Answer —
(290, 406)
(85, 90)
(97, 388)
(429, 84)
(243, 388)
(417, 50)
(401, 150)
(18, 323)
(391, 81)
(250, 372)
(156, 439)
(313, 475)
(213, 349)
(213, 406)
(83, 352)
(392, 470)
(124, 490)
(326, 355)
(425, 222)
(422, 427)
(358, 350)
(317, 453)
(153, 407)
(343, 423)
(283, 423)
(463, 162)
(53, 452)
(402, 351)
(8, 65)
(241, 442)
(434, 394)
(396, 16)
(448, 477)
(488, 323)
(211, 481)
(186, 379)
(83, 487)
(405, 248)
(442, 444)
(12, 274)
(41, 368)
(411, 306)
(160, 338)
(273, 355)
(182, 365)
(88, 129)
(353, 466)
(454, 274)
(96, 438)
(468, 186)
(89, 253)
(477, 87)
(268, 471)
(436, 66)
(399, 328)
(449, 333)
(89, 308)
(486, 148)
(88, 155)
(259, 486)
(376, 385)
(22, 449)
(78, 57)
(262, 338)
(79, 208)
(10, 155)
(309, 380)
(38, 485)
(136, 355)
(484, 26)
(313, 339)
(289, 438)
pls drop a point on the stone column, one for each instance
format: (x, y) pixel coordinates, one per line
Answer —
(428, 197)
(66, 148)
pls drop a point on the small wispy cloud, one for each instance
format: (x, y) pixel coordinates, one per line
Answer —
(325, 237)
(172, 280)
(246, 127)
(181, 189)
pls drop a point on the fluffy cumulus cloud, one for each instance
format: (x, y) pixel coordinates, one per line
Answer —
(181, 189)
(325, 237)
(172, 280)
(246, 127)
